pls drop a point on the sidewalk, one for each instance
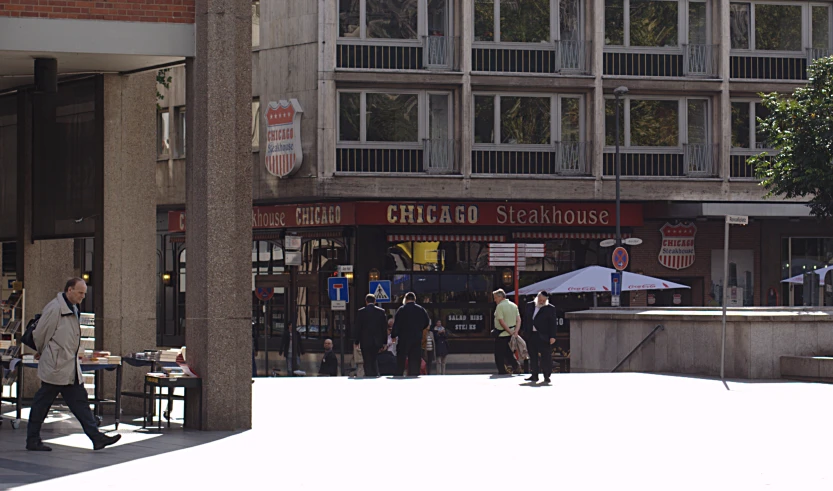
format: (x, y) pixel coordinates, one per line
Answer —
(586, 431)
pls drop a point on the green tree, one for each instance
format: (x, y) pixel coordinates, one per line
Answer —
(800, 127)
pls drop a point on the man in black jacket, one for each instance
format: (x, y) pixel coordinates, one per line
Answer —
(371, 334)
(539, 328)
(329, 363)
(410, 320)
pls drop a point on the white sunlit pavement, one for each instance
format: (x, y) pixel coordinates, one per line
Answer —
(599, 431)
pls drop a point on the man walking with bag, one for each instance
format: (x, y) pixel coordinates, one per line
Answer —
(507, 325)
(539, 327)
(58, 338)
(410, 320)
(371, 334)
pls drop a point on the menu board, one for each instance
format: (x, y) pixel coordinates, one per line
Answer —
(466, 321)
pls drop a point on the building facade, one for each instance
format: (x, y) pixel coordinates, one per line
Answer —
(404, 136)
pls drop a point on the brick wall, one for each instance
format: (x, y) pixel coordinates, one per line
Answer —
(644, 258)
(175, 11)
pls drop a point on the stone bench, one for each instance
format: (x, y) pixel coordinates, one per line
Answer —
(807, 368)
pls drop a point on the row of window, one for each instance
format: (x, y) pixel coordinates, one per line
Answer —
(170, 131)
(756, 26)
(368, 117)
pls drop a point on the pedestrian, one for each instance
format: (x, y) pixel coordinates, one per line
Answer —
(329, 363)
(58, 338)
(440, 346)
(507, 319)
(410, 320)
(539, 327)
(292, 348)
(428, 349)
(371, 334)
(391, 345)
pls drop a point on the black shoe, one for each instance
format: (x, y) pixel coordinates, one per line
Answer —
(533, 378)
(38, 447)
(547, 381)
(105, 441)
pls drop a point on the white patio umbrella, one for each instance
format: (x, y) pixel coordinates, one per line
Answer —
(799, 279)
(596, 279)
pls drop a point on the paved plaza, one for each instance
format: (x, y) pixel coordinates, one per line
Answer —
(586, 431)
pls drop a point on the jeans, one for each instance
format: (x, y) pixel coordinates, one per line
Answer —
(441, 364)
(75, 396)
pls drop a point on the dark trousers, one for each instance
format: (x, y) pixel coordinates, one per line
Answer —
(369, 355)
(502, 351)
(538, 346)
(75, 396)
(413, 354)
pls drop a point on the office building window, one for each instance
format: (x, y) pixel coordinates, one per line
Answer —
(526, 120)
(526, 21)
(256, 125)
(393, 117)
(657, 122)
(255, 24)
(746, 131)
(653, 23)
(761, 26)
(378, 19)
(163, 134)
(179, 137)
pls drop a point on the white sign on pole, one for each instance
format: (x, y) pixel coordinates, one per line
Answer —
(338, 305)
(345, 268)
(608, 243)
(737, 220)
(632, 241)
(292, 242)
(293, 258)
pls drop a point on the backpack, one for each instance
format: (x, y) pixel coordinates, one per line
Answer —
(28, 337)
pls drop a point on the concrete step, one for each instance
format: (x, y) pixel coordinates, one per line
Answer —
(808, 368)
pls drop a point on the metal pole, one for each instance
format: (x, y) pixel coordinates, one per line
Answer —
(618, 173)
(341, 332)
(725, 297)
(266, 339)
(517, 274)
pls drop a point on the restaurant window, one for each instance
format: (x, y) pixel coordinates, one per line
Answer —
(255, 24)
(764, 26)
(393, 117)
(527, 120)
(256, 125)
(438, 256)
(179, 137)
(746, 131)
(801, 255)
(651, 23)
(163, 134)
(527, 21)
(657, 122)
(378, 19)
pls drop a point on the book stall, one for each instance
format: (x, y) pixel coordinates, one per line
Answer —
(169, 371)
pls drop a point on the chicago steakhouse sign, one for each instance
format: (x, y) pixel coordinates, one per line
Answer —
(407, 213)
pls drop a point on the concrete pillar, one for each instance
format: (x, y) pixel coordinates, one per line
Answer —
(725, 106)
(218, 199)
(327, 95)
(129, 283)
(467, 102)
(596, 118)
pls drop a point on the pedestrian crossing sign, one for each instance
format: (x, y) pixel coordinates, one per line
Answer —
(381, 290)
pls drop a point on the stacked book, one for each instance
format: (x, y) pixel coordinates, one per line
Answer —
(167, 355)
(5, 344)
(173, 372)
(29, 359)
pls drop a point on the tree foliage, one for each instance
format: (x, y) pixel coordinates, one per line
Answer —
(800, 127)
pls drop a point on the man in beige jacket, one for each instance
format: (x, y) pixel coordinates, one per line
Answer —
(58, 338)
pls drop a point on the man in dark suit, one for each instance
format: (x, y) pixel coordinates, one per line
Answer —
(371, 334)
(539, 327)
(410, 320)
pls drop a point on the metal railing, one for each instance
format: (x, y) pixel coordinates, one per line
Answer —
(700, 60)
(561, 57)
(659, 327)
(700, 159)
(571, 158)
(814, 54)
(441, 52)
(440, 156)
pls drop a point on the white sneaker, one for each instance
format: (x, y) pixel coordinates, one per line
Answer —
(300, 373)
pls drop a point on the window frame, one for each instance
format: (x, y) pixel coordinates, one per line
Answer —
(682, 122)
(555, 31)
(555, 120)
(179, 122)
(682, 29)
(422, 26)
(256, 123)
(162, 154)
(423, 130)
(753, 148)
(806, 28)
(256, 15)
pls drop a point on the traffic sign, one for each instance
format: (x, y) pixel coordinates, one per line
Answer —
(264, 294)
(616, 283)
(632, 241)
(338, 290)
(381, 290)
(292, 242)
(338, 305)
(737, 220)
(345, 268)
(292, 258)
(620, 258)
(608, 243)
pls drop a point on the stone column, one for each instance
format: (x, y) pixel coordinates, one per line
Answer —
(129, 281)
(596, 119)
(218, 200)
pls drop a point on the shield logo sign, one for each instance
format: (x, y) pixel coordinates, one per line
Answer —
(284, 154)
(677, 250)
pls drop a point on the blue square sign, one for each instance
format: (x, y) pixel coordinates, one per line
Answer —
(616, 283)
(381, 290)
(337, 287)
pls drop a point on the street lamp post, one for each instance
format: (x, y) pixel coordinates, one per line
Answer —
(618, 92)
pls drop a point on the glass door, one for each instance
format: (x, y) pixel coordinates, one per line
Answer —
(438, 41)
(439, 147)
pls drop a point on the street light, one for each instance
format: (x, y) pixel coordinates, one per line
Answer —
(618, 92)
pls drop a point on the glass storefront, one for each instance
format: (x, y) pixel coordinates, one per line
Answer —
(801, 255)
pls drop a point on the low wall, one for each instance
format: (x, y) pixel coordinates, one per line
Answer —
(756, 338)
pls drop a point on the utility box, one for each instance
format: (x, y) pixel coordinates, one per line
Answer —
(812, 291)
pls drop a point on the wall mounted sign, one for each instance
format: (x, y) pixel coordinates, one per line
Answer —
(677, 251)
(284, 154)
(466, 322)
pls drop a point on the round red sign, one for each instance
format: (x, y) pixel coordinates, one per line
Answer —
(264, 294)
(620, 258)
